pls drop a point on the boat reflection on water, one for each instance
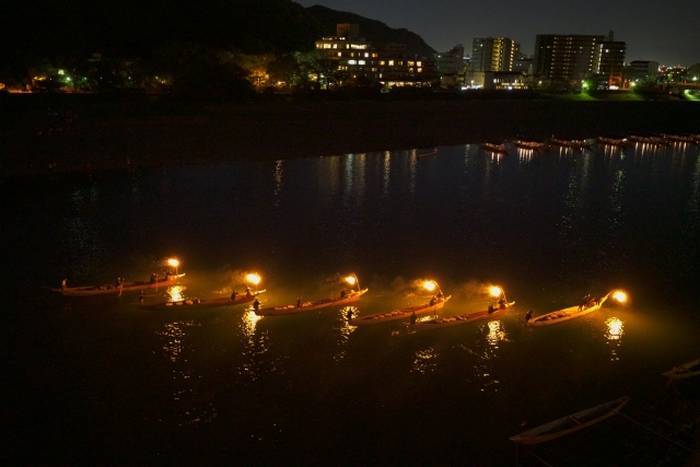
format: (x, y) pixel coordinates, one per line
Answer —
(614, 330)
(496, 334)
(175, 293)
(344, 330)
(424, 361)
(250, 321)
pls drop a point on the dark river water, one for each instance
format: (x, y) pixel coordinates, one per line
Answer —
(104, 380)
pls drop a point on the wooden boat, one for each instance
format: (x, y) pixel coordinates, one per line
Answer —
(425, 155)
(567, 314)
(647, 140)
(450, 321)
(495, 148)
(571, 143)
(679, 139)
(611, 141)
(530, 145)
(687, 370)
(283, 310)
(402, 313)
(92, 290)
(196, 303)
(571, 423)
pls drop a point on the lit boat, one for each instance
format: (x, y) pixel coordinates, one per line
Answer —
(573, 312)
(107, 289)
(283, 310)
(571, 143)
(450, 321)
(680, 139)
(494, 148)
(402, 313)
(530, 145)
(653, 140)
(611, 141)
(687, 370)
(195, 303)
(571, 423)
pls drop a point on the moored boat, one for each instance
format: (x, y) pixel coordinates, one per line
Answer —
(679, 139)
(451, 321)
(652, 140)
(494, 148)
(573, 312)
(531, 145)
(196, 303)
(685, 371)
(107, 289)
(402, 313)
(612, 141)
(571, 143)
(294, 309)
(570, 423)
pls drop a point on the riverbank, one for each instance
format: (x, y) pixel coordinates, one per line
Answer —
(89, 133)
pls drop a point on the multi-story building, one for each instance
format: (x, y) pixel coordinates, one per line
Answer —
(612, 62)
(641, 71)
(567, 58)
(451, 66)
(523, 64)
(347, 57)
(494, 54)
(397, 68)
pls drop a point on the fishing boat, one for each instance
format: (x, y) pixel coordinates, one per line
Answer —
(652, 140)
(530, 145)
(350, 297)
(573, 312)
(427, 154)
(107, 289)
(451, 321)
(571, 143)
(402, 313)
(611, 141)
(685, 371)
(679, 139)
(571, 423)
(196, 303)
(494, 148)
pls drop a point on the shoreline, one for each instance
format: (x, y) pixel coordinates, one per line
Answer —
(94, 135)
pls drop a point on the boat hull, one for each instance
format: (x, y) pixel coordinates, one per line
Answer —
(287, 310)
(441, 323)
(110, 289)
(194, 304)
(403, 313)
(685, 371)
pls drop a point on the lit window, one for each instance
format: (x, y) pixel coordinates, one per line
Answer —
(352, 62)
(391, 63)
(335, 46)
(340, 54)
(362, 62)
(366, 54)
(419, 63)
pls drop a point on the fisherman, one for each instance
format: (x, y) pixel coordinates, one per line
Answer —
(119, 281)
(502, 303)
(528, 316)
(64, 283)
(248, 293)
(491, 308)
(343, 293)
(414, 318)
(298, 302)
(154, 278)
(433, 300)
(141, 297)
(256, 306)
(440, 295)
(234, 295)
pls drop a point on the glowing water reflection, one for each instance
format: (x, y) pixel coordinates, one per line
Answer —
(344, 330)
(175, 293)
(424, 361)
(496, 334)
(614, 330)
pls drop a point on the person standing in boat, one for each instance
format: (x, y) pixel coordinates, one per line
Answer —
(141, 297)
(234, 296)
(414, 318)
(299, 302)
(343, 293)
(248, 292)
(256, 306)
(502, 303)
(154, 278)
(64, 283)
(528, 316)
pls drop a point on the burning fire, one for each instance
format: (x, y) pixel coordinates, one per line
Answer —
(620, 296)
(253, 278)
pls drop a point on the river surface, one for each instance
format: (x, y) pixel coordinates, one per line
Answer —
(104, 380)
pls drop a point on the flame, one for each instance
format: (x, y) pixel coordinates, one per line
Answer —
(429, 285)
(350, 280)
(253, 278)
(495, 291)
(620, 296)
(173, 262)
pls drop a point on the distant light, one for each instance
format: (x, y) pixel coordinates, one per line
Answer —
(495, 291)
(620, 296)
(173, 262)
(61, 72)
(695, 78)
(429, 285)
(351, 279)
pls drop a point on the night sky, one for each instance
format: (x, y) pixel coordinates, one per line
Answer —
(665, 31)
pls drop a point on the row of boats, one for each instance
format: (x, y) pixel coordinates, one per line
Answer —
(422, 317)
(581, 144)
